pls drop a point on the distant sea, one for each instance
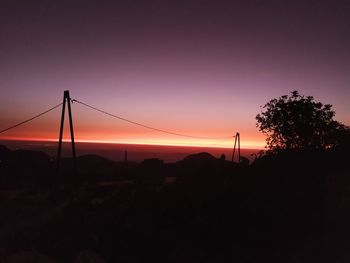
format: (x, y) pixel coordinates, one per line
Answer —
(116, 152)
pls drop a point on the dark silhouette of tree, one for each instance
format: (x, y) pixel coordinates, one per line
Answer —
(296, 122)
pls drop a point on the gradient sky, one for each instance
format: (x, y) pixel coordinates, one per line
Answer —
(202, 68)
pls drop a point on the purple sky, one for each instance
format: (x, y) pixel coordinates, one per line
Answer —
(198, 67)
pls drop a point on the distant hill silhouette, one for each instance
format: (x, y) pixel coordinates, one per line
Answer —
(202, 157)
(4, 152)
(93, 160)
(25, 167)
(29, 158)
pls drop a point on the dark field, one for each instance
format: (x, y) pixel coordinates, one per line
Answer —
(285, 208)
(116, 152)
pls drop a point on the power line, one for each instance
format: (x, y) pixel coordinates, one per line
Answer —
(146, 126)
(30, 119)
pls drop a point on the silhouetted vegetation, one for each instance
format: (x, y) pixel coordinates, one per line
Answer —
(298, 123)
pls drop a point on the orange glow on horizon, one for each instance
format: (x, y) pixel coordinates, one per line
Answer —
(183, 143)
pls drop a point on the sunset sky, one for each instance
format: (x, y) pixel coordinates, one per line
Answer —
(201, 68)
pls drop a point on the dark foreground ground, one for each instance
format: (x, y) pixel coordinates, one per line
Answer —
(285, 208)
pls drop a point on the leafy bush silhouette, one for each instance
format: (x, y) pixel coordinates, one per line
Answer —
(296, 122)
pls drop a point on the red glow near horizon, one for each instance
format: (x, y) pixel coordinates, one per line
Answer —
(90, 126)
(227, 144)
(206, 74)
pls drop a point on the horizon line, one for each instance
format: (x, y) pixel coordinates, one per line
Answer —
(132, 143)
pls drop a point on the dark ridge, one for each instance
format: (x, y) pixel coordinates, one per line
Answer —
(4, 152)
(200, 157)
(28, 158)
(93, 160)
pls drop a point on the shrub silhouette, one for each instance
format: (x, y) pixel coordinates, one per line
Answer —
(297, 123)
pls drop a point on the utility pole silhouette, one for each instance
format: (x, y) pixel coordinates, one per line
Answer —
(67, 99)
(238, 144)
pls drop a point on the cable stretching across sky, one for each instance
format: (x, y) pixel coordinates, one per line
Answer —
(30, 119)
(117, 117)
(146, 126)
